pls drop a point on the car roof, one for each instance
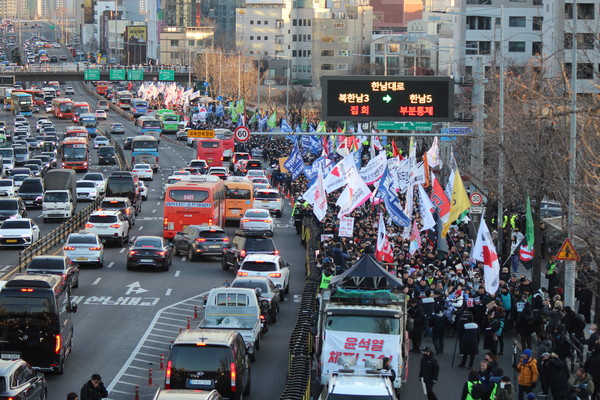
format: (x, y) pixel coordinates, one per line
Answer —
(252, 234)
(63, 258)
(268, 190)
(8, 366)
(186, 394)
(208, 336)
(374, 385)
(262, 257)
(115, 199)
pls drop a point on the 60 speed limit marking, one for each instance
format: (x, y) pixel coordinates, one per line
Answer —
(241, 133)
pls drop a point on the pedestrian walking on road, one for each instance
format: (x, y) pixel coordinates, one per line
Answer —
(528, 373)
(429, 372)
(94, 389)
(468, 337)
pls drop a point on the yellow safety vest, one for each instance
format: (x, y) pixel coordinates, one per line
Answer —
(325, 281)
(470, 389)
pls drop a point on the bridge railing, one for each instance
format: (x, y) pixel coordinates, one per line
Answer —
(81, 68)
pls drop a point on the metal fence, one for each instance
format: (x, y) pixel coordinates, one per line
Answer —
(57, 235)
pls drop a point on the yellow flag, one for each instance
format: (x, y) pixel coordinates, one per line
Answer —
(460, 202)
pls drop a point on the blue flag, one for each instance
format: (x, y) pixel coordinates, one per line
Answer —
(316, 144)
(220, 111)
(294, 163)
(305, 143)
(285, 127)
(392, 202)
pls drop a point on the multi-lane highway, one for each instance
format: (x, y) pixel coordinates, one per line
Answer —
(127, 319)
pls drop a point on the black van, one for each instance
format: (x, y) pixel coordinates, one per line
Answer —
(35, 320)
(206, 359)
(107, 155)
(125, 184)
(32, 192)
(12, 208)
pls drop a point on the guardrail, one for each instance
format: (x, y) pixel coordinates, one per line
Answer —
(48, 241)
(75, 68)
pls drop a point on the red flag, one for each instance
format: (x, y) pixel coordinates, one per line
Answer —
(384, 250)
(525, 253)
(395, 151)
(440, 200)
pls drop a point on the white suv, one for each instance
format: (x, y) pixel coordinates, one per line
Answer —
(269, 199)
(358, 386)
(109, 225)
(268, 266)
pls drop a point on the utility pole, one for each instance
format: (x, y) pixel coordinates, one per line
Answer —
(478, 116)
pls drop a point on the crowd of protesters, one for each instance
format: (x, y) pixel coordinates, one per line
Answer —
(446, 295)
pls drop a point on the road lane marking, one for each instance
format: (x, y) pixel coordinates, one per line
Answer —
(177, 273)
(141, 228)
(158, 203)
(122, 250)
(110, 264)
(168, 292)
(97, 281)
(7, 267)
(153, 211)
(183, 258)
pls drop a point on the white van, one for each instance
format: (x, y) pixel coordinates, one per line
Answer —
(57, 204)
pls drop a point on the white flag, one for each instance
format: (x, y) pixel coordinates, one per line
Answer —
(354, 195)
(341, 174)
(425, 207)
(320, 199)
(433, 154)
(485, 252)
(374, 170)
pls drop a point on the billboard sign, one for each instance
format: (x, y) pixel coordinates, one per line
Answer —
(387, 98)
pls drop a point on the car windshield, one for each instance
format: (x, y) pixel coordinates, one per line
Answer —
(6, 182)
(47, 263)
(192, 358)
(238, 194)
(56, 197)
(388, 325)
(212, 234)
(93, 177)
(15, 224)
(259, 266)
(82, 239)
(266, 195)
(86, 185)
(257, 214)
(114, 205)
(148, 242)
(103, 219)
(259, 244)
(144, 167)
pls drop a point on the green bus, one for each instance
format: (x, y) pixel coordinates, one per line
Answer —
(169, 121)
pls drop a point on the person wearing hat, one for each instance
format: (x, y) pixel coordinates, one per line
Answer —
(505, 390)
(558, 376)
(544, 372)
(531, 396)
(584, 380)
(528, 373)
(93, 389)
(592, 367)
(429, 372)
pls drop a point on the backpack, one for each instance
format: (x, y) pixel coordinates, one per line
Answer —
(478, 391)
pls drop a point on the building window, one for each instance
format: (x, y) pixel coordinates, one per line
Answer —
(326, 67)
(516, 47)
(342, 39)
(174, 43)
(266, 22)
(379, 48)
(279, 23)
(326, 53)
(309, 37)
(257, 22)
(585, 41)
(309, 24)
(258, 38)
(279, 39)
(308, 53)
(568, 41)
(294, 68)
(479, 23)
(537, 23)
(327, 39)
(294, 38)
(294, 53)
(568, 10)
(393, 48)
(479, 1)
(585, 11)
(536, 48)
(251, 37)
(584, 70)
(342, 67)
(472, 47)
(516, 22)
(266, 38)
(295, 22)
(485, 47)
(191, 43)
(343, 53)
(251, 22)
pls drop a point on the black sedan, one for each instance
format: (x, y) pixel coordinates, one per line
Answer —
(127, 143)
(149, 251)
(269, 293)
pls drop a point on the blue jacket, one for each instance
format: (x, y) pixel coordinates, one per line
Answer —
(340, 257)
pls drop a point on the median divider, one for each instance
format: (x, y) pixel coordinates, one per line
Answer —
(124, 162)
(56, 236)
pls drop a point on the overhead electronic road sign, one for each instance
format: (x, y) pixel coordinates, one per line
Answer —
(117, 75)
(135, 74)
(91, 75)
(387, 98)
(196, 133)
(166, 75)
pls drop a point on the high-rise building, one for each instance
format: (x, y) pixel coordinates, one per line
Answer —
(393, 16)
(13, 8)
(222, 15)
(181, 13)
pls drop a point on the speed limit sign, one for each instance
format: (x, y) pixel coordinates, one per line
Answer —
(476, 198)
(241, 133)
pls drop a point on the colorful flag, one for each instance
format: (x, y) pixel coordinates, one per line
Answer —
(354, 195)
(485, 252)
(395, 151)
(392, 202)
(341, 174)
(320, 199)
(440, 200)
(272, 121)
(526, 251)
(433, 154)
(415, 239)
(285, 126)
(460, 201)
(425, 209)
(384, 251)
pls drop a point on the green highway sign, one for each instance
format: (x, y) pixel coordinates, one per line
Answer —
(166, 75)
(52, 27)
(91, 74)
(117, 75)
(135, 75)
(405, 126)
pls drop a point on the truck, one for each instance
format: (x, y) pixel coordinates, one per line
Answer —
(60, 194)
(235, 309)
(362, 323)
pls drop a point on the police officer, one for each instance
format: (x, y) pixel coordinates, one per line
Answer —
(297, 213)
(429, 372)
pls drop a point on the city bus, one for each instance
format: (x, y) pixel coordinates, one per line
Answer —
(74, 152)
(80, 107)
(35, 319)
(7, 101)
(56, 86)
(150, 126)
(22, 103)
(124, 98)
(62, 108)
(101, 87)
(36, 94)
(144, 150)
(239, 196)
(210, 150)
(90, 123)
(138, 108)
(226, 136)
(76, 131)
(49, 93)
(169, 121)
(199, 199)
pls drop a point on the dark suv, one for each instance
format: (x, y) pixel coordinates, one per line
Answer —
(32, 192)
(243, 244)
(107, 155)
(206, 359)
(197, 240)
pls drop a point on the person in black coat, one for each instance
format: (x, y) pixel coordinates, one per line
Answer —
(491, 326)
(592, 367)
(415, 312)
(558, 376)
(429, 372)
(93, 389)
(468, 339)
(439, 323)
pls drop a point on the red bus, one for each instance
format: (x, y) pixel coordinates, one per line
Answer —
(197, 199)
(80, 107)
(36, 94)
(101, 87)
(74, 153)
(77, 131)
(211, 151)
(226, 136)
(62, 108)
